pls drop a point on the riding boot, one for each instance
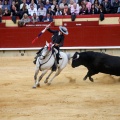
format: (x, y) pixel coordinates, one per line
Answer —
(58, 58)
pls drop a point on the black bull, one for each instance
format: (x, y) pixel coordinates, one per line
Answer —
(97, 62)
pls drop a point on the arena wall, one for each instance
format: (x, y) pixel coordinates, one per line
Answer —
(85, 33)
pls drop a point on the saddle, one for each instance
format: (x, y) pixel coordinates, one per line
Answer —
(54, 67)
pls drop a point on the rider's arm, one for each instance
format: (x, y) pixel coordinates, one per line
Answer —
(52, 31)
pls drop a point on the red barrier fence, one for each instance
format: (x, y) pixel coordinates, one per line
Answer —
(78, 36)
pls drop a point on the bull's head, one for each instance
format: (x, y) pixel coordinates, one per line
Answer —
(76, 60)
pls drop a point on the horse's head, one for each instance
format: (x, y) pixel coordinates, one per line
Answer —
(46, 50)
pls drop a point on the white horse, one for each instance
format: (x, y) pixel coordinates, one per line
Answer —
(45, 62)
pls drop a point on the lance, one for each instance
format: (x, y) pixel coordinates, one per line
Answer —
(41, 33)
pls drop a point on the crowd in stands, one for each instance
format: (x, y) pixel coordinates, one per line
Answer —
(44, 10)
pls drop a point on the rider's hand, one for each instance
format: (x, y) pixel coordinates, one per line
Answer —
(56, 44)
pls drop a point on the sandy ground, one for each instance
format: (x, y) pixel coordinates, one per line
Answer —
(68, 97)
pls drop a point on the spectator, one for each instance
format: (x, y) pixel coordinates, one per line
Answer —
(116, 4)
(0, 15)
(53, 5)
(96, 4)
(67, 2)
(97, 1)
(41, 12)
(50, 11)
(61, 5)
(118, 11)
(84, 10)
(38, 4)
(107, 5)
(71, 3)
(23, 3)
(75, 9)
(43, 1)
(6, 12)
(23, 10)
(66, 10)
(34, 18)
(101, 9)
(33, 4)
(6, 5)
(48, 18)
(32, 10)
(14, 13)
(24, 20)
(51, 2)
(47, 5)
(58, 11)
(1, 5)
(17, 4)
(28, 2)
(88, 5)
(93, 10)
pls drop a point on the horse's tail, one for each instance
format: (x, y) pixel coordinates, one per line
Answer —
(69, 57)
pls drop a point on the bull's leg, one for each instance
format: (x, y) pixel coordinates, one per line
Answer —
(85, 77)
(46, 80)
(91, 79)
(35, 76)
(40, 77)
(89, 74)
(56, 74)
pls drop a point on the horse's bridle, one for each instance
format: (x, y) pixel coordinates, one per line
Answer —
(44, 58)
(43, 55)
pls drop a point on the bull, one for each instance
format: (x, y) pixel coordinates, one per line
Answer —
(97, 62)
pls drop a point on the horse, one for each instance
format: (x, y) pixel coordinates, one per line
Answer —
(45, 62)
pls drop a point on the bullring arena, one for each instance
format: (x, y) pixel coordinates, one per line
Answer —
(69, 97)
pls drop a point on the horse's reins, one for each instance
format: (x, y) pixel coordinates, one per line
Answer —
(44, 62)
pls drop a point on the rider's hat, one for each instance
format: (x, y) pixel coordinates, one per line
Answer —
(63, 30)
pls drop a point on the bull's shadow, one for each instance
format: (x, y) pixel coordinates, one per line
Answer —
(97, 62)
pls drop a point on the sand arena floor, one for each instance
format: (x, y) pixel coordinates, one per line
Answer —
(68, 97)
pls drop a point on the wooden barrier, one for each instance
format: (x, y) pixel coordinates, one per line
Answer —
(83, 36)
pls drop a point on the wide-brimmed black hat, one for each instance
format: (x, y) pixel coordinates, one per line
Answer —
(63, 30)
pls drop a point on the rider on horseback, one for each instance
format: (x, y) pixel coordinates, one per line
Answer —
(57, 40)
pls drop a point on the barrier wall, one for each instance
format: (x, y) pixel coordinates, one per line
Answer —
(78, 36)
(85, 31)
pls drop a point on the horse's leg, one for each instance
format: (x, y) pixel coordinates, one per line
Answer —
(56, 74)
(35, 76)
(40, 77)
(46, 80)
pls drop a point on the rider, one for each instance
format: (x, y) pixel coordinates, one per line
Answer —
(58, 39)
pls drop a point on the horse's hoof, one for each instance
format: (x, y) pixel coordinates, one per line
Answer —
(34, 87)
(38, 85)
(48, 84)
(45, 81)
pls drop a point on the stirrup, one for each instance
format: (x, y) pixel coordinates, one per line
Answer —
(60, 58)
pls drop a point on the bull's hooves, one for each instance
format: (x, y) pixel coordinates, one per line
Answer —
(34, 87)
(91, 80)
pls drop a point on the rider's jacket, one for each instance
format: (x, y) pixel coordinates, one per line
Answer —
(57, 37)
